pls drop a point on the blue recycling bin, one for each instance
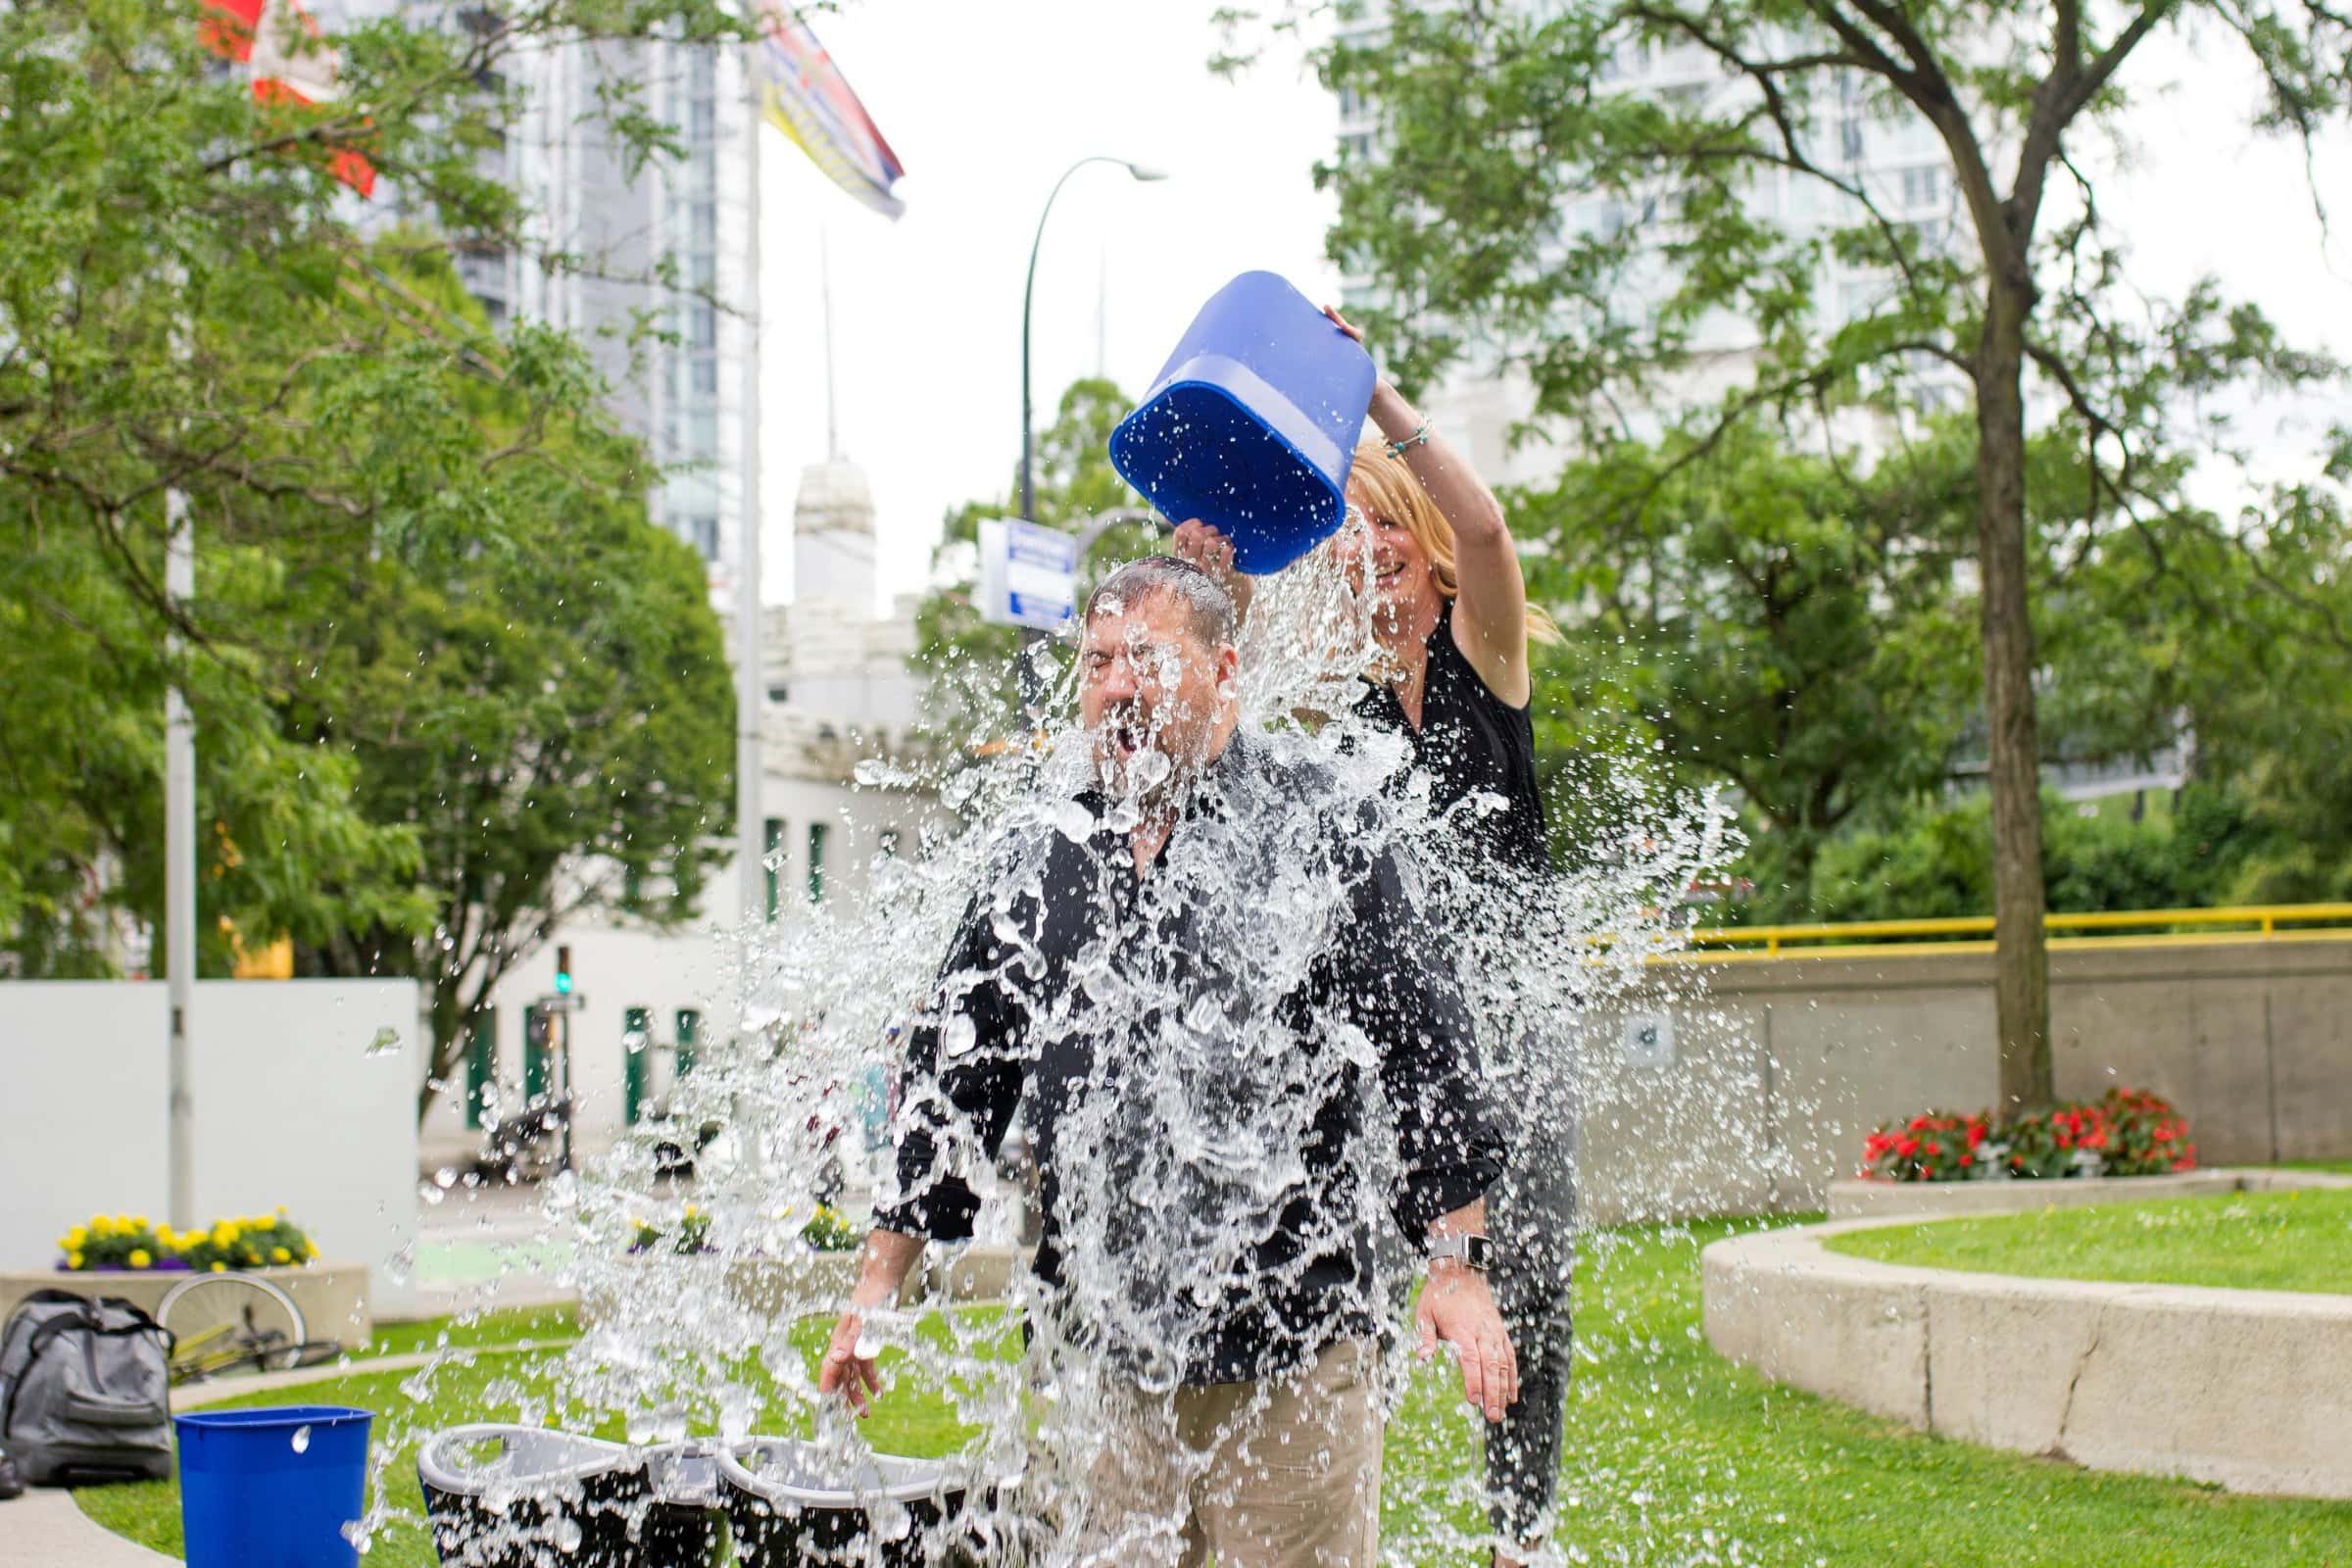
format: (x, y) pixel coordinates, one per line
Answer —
(1252, 424)
(271, 1488)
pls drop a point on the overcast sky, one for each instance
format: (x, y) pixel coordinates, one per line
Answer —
(986, 104)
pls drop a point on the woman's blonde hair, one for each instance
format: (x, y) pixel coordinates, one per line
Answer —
(1396, 493)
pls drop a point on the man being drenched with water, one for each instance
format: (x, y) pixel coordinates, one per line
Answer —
(1201, 985)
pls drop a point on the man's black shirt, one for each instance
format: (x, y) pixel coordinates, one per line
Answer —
(1273, 949)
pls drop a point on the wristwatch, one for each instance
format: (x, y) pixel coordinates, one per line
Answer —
(1472, 1249)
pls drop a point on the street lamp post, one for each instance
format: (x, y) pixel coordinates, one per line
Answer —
(1141, 171)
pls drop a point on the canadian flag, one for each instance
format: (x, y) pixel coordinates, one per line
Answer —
(291, 65)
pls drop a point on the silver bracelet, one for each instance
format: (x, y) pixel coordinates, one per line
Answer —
(1419, 438)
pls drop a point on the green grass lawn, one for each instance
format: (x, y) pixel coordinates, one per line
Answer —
(2296, 1240)
(507, 1326)
(1673, 1457)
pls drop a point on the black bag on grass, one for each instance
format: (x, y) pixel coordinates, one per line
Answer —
(85, 1391)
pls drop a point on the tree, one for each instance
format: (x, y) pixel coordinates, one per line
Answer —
(191, 325)
(1493, 119)
(1758, 617)
(553, 721)
(971, 664)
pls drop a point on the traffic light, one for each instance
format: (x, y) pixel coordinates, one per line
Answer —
(564, 970)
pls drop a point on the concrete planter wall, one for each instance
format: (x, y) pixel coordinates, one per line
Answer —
(1856, 1199)
(2248, 1389)
(819, 1282)
(333, 1298)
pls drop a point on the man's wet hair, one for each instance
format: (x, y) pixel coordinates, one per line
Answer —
(1209, 614)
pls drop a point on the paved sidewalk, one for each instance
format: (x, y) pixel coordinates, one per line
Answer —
(47, 1529)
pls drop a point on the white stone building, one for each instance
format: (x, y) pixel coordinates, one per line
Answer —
(840, 689)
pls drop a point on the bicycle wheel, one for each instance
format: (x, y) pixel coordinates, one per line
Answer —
(231, 1310)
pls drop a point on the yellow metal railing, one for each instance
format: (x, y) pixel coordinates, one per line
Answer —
(2271, 923)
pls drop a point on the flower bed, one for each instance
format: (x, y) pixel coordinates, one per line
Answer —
(131, 1244)
(2123, 1133)
(827, 1232)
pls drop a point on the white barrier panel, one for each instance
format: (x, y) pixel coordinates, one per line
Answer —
(306, 1096)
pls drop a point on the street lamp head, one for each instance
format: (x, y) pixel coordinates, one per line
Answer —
(1146, 172)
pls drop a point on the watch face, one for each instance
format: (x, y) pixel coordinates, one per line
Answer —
(1479, 1253)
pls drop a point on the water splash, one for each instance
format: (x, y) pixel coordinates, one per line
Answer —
(1173, 1191)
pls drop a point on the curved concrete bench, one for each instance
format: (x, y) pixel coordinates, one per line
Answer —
(2248, 1389)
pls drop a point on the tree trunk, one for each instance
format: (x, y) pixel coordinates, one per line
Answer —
(2020, 965)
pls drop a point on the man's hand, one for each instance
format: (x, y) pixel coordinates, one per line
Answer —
(1457, 1308)
(887, 1260)
(855, 1376)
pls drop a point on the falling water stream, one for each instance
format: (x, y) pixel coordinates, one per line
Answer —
(1168, 1185)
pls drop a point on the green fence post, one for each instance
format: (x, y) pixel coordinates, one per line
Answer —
(538, 1052)
(690, 1030)
(774, 872)
(481, 1061)
(636, 1033)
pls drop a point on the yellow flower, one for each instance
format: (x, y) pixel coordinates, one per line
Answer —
(72, 1261)
(278, 1254)
(310, 1249)
(139, 1258)
(225, 1234)
(100, 1225)
(138, 1221)
(220, 1267)
(76, 1237)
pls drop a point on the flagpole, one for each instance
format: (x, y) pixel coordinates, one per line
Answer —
(180, 865)
(751, 847)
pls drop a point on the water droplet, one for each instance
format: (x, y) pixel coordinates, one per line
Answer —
(868, 1346)
(301, 1440)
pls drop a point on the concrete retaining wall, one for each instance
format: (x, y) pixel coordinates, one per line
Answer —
(1780, 1067)
(2248, 1389)
(333, 1298)
(1854, 1199)
(305, 1095)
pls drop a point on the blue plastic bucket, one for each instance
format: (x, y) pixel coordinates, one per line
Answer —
(1252, 423)
(271, 1488)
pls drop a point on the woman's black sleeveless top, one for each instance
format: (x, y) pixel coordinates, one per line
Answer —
(1472, 742)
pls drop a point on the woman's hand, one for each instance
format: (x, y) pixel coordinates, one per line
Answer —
(1204, 547)
(1356, 335)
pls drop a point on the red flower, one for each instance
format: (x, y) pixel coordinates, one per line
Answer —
(1967, 1160)
(1976, 1133)
(1934, 1147)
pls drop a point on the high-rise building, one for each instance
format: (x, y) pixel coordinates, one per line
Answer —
(1900, 164)
(673, 350)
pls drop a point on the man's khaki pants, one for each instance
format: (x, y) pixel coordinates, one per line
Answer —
(1278, 1474)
